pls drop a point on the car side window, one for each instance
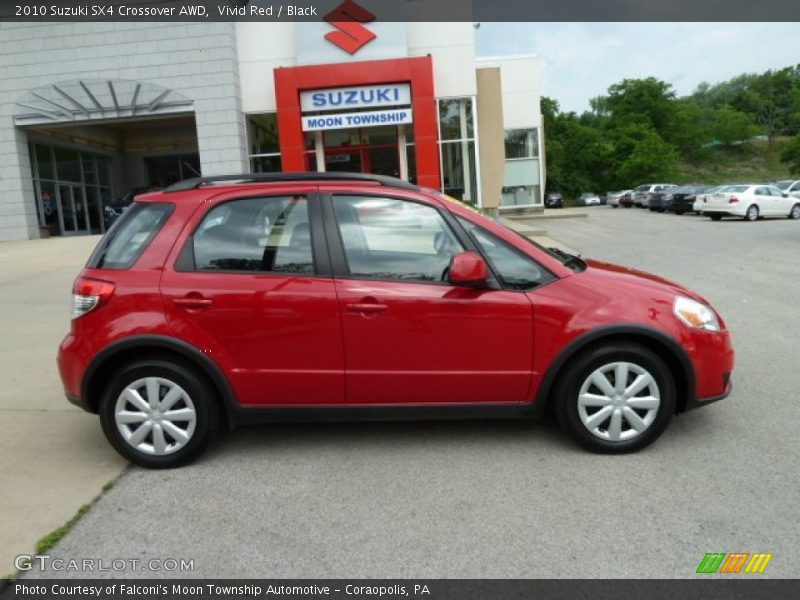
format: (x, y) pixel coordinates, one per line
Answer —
(762, 192)
(256, 234)
(515, 270)
(387, 238)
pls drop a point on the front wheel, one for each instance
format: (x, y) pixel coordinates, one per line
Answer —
(752, 213)
(158, 413)
(715, 217)
(795, 212)
(617, 398)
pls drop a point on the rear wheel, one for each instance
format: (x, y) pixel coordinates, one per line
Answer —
(616, 398)
(752, 213)
(158, 413)
(795, 212)
(679, 212)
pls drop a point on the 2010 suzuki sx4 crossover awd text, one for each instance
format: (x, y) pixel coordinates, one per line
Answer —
(312, 296)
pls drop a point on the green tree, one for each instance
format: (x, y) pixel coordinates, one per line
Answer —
(641, 154)
(649, 101)
(731, 125)
(791, 155)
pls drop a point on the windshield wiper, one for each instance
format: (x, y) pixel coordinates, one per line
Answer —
(571, 261)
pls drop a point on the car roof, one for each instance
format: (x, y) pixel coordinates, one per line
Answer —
(290, 177)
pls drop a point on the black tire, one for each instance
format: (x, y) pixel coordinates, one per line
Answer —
(715, 217)
(680, 212)
(198, 389)
(579, 370)
(795, 212)
(751, 214)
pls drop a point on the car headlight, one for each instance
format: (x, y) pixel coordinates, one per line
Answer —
(695, 314)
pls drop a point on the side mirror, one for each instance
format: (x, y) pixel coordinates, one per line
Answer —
(785, 195)
(468, 269)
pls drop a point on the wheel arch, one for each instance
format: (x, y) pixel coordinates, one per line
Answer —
(667, 348)
(108, 360)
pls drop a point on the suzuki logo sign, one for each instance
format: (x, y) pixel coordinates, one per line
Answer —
(348, 18)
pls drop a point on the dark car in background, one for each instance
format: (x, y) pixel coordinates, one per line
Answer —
(554, 200)
(626, 200)
(111, 212)
(658, 200)
(681, 200)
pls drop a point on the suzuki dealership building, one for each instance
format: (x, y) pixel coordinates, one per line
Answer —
(94, 112)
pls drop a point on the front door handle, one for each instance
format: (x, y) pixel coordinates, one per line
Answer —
(367, 305)
(192, 302)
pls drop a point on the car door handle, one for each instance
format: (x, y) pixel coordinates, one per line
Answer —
(192, 302)
(367, 307)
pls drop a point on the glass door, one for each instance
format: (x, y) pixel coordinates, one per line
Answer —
(73, 209)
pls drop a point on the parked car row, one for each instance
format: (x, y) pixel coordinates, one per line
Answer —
(749, 201)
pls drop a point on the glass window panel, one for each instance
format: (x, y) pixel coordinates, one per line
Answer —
(44, 161)
(47, 199)
(385, 238)
(385, 134)
(459, 177)
(257, 234)
(520, 195)
(68, 166)
(265, 164)
(104, 170)
(521, 143)
(516, 271)
(455, 119)
(262, 131)
(126, 241)
(89, 170)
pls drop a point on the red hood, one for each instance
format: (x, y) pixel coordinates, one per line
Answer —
(641, 278)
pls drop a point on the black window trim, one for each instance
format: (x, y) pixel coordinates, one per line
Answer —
(185, 262)
(338, 256)
(551, 277)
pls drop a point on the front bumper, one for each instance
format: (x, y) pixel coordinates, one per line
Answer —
(692, 403)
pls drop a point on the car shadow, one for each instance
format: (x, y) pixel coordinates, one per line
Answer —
(370, 437)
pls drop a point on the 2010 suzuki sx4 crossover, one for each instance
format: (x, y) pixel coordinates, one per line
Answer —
(309, 296)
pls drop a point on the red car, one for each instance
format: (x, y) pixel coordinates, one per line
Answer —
(307, 296)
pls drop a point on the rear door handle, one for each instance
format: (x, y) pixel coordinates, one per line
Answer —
(367, 307)
(192, 302)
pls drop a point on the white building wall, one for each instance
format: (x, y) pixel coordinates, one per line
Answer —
(263, 47)
(198, 60)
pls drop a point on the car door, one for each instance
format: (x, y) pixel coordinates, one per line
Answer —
(251, 286)
(783, 204)
(409, 336)
(767, 203)
(794, 190)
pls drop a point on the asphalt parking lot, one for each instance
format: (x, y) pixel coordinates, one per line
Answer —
(508, 499)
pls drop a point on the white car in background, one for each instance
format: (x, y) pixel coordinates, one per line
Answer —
(789, 186)
(589, 199)
(751, 201)
(700, 199)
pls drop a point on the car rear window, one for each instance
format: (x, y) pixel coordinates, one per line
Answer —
(130, 235)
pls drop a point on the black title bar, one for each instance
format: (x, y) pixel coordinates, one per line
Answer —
(402, 10)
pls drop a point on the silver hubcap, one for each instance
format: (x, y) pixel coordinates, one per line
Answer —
(155, 416)
(796, 212)
(752, 213)
(619, 401)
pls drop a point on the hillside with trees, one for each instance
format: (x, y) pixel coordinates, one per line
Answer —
(746, 128)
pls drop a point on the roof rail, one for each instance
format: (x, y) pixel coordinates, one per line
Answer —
(196, 182)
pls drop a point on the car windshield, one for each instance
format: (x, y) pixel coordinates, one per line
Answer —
(568, 260)
(784, 185)
(642, 188)
(735, 188)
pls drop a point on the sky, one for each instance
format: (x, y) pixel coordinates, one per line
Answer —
(581, 60)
